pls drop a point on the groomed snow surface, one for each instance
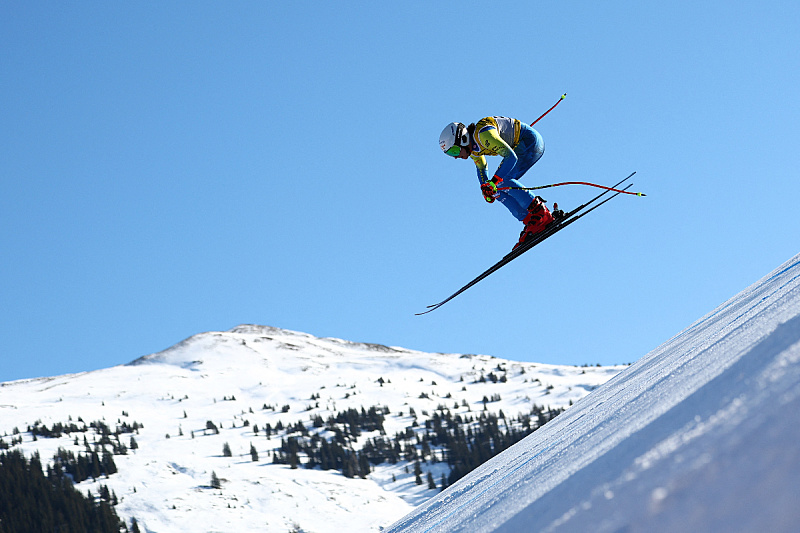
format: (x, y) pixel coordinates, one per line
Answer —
(702, 434)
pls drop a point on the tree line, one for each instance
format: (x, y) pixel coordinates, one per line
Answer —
(463, 442)
(33, 501)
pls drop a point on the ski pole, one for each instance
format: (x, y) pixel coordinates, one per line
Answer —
(546, 112)
(571, 183)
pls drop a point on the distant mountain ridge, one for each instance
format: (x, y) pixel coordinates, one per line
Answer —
(360, 433)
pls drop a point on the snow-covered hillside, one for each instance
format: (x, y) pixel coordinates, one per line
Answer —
(173, 413)
(702, 434)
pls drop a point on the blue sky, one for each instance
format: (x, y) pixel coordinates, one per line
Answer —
(180, 167)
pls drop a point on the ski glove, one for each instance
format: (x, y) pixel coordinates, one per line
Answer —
(489, 189)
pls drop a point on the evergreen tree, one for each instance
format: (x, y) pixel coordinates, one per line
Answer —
(253, 453)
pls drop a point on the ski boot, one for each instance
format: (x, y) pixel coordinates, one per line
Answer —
(537, 219)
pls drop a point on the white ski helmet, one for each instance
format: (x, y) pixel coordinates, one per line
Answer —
(453, 137)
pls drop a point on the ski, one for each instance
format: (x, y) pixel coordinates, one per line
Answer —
(570, 217)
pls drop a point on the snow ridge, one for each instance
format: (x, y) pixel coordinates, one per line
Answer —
(699, 435)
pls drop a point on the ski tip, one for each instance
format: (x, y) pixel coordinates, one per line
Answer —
(432, 308)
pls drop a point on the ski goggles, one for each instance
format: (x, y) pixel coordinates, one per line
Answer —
(453, 151)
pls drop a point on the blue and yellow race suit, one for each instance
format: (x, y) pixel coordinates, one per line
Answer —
(519, 145)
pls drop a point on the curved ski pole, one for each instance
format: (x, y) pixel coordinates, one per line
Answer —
(571, 183)
(546, 112)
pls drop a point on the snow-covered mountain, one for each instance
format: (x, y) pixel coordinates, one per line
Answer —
(701, 434)
(223, 404)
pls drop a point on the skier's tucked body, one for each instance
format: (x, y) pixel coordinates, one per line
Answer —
(521, 147)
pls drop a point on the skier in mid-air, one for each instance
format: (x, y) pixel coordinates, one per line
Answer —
(521, 147)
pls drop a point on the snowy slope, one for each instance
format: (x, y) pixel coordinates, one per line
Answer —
(702, 434)
(229, 378)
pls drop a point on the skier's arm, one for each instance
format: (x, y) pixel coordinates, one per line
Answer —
(480, 164)
(490, 138)
(488, 187)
